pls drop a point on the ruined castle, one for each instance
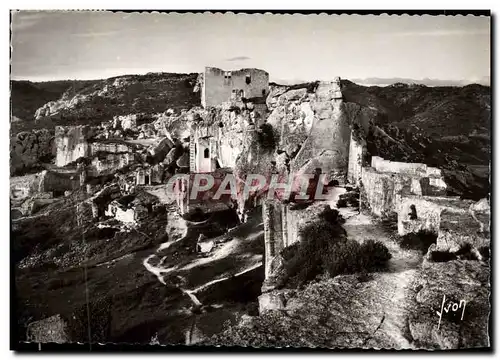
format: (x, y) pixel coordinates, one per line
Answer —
(313, 132)
(220, 86)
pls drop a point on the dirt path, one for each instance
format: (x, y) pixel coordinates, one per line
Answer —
(391, 288)
(231, 258)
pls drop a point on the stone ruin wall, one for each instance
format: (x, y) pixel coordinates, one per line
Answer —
(225, 143)
(218, 86)
(72, 143)
(42, 183)
(109, 147)
(417, 194)
(355, 164)
(282, 225)
(385, 182)
(205, 200)
(456, 222)
(53, 181)
(110, 163)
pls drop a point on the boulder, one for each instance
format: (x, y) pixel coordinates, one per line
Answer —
(271, 301)
(53, 329)
(206, 247)
(28, 148)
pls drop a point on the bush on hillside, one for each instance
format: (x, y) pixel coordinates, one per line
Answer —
(418, 241)
(373, 255)
(324, 248)
(265, 137)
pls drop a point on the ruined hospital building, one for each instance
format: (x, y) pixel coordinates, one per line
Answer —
(220, 86)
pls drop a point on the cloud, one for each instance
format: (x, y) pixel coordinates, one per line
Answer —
(441, 33)
(96, 34)
(22, 20)
(238, 58)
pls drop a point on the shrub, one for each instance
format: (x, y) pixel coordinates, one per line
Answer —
(324, 248)
(351, 257)
(419, 241)
(373, 255)
(342, 203)
(465, 252)
(342, 258)
(331, 216)
(442, 256)
(350, 198)
(303, 261)
(265, 137)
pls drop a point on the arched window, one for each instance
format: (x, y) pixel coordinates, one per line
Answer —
(206, 153)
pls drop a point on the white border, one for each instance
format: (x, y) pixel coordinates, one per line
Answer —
(186, 4)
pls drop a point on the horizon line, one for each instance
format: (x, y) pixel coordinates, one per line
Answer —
(287, 82)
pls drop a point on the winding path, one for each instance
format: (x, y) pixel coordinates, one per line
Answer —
(392, 287)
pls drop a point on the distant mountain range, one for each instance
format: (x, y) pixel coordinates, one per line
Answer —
(375, 81)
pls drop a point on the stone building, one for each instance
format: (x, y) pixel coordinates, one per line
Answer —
(212, 147)
(220, 86)
(142, 177)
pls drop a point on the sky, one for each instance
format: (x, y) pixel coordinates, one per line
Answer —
(292, 48)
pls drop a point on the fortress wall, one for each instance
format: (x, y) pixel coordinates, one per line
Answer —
(52, 181)
(397, 167)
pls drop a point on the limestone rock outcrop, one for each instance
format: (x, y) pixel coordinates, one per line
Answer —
(30, 148)
(465, 283)
(71, 143)
(125, 122)
(56, 107)
(312, 128)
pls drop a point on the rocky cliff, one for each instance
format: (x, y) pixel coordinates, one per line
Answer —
(29, 148)
(71, 144)
(151, 93)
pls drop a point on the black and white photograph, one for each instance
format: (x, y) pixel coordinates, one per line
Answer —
(250, 180)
